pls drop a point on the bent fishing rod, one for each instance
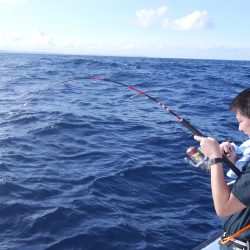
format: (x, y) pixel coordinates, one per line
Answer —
(183, 121)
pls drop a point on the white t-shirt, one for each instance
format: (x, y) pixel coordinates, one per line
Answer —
(244, 151)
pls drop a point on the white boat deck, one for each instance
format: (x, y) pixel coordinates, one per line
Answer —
(211, 244)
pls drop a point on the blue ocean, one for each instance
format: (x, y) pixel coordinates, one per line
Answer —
(85, 166)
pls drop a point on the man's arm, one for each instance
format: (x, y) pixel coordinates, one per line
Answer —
(225, 202)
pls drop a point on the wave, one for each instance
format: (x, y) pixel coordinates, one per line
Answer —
(83, 168)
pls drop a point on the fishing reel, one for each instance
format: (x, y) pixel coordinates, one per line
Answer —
(197, 159)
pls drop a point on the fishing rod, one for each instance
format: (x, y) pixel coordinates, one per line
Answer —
(183, 121)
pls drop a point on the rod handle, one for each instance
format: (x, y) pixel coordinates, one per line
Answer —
(231, 165)
(191, 128)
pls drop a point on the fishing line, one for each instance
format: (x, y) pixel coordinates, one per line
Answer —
(183, 121)
(35, 95)
(49, 88)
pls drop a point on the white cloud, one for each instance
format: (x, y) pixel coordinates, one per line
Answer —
(36, 38)
(33, 40)
(146, 18)
(14, 2)
(37, 41)
(197, 20)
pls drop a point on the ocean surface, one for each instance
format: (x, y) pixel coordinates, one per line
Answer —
(84, 166)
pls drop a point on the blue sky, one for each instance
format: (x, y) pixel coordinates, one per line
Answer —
(153, 28)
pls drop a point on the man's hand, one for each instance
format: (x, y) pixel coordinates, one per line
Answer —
(227, 149)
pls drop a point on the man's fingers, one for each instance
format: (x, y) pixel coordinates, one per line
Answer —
(198, 138)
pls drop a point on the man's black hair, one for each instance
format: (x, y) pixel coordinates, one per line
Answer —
(241, 103)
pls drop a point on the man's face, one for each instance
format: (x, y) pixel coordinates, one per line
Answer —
(244, 123)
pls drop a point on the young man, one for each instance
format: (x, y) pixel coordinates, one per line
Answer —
(233, 206)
